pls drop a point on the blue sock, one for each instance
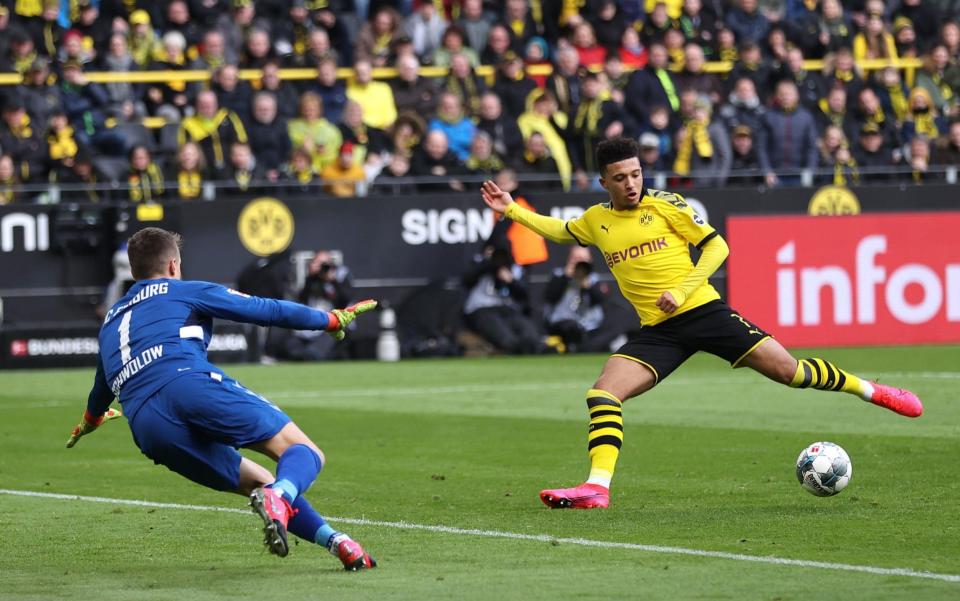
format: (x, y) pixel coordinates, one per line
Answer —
(297, 469)
(310, 525)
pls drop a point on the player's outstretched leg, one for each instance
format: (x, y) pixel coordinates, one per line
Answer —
(603, 442)
(823, 375)
(309, 525)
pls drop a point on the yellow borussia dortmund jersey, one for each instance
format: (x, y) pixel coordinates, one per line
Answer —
(647, 250)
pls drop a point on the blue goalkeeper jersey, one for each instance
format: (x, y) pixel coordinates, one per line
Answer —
(160, 331)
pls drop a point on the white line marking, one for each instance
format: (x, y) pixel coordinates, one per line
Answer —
(543, 538)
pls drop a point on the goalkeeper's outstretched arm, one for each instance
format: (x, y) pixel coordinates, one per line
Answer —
(551, 228)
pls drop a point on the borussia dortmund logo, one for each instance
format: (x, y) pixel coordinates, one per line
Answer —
(265, 226)
(646, 218)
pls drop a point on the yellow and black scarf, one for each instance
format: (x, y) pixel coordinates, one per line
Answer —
(697, 136)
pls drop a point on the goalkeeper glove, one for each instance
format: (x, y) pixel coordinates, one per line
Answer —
(88, 424)
(341, 318)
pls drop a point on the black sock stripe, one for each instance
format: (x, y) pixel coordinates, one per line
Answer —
(841, 380)
(817, 377)
(598, 401)
(604, 413)
(601, 440)
(601, 425)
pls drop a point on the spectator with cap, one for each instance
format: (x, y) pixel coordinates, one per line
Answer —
(39, 97)
(650, 158)
(925, 17)
(512, 84)
(375, 97)
(905, 38)
(144, 45)
(745, 164)
(871, 155)
(787, 138)
(213, 128)
(344, 176)
(314, 133)
(22, 52)
(411, 92)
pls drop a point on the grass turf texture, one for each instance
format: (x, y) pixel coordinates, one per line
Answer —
(707, 464)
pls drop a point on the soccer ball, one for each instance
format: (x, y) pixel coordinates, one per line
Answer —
(824, 469)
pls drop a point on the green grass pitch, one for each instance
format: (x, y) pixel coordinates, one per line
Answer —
(707, 465)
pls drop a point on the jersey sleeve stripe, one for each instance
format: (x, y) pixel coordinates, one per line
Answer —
(567, 227)
(707, 238)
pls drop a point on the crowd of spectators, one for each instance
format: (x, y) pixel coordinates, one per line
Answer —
(619, 67)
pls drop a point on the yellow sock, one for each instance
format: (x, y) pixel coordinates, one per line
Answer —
(823, 375)
(605, 435)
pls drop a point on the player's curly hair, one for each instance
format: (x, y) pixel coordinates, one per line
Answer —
(150, 249)
(616, 150)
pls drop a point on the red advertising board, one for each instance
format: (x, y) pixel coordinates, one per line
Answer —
(882, 278)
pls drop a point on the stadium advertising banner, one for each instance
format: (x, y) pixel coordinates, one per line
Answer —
(891, 278)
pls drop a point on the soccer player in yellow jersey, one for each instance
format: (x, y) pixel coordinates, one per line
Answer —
(644, 236)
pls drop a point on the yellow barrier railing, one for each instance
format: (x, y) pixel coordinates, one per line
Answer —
(487, 71)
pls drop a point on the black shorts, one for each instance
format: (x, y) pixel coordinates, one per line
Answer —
(714, 328)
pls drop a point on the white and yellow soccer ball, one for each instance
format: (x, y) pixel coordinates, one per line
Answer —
(824, 469)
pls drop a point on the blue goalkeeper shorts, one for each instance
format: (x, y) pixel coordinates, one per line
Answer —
(195, 424)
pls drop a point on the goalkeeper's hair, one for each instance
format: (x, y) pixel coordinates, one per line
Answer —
(616, 150)
(149, 251)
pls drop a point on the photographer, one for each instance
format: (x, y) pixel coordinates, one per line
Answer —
(497, 303)
(327, 286)
(575, 299)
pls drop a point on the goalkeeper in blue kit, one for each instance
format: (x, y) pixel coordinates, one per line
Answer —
(188, 415)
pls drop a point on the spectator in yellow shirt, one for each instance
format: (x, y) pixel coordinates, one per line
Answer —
(376, 97)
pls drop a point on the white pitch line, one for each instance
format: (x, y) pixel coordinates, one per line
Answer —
(543, 538)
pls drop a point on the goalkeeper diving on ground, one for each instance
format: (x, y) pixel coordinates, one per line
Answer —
(188, 415)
